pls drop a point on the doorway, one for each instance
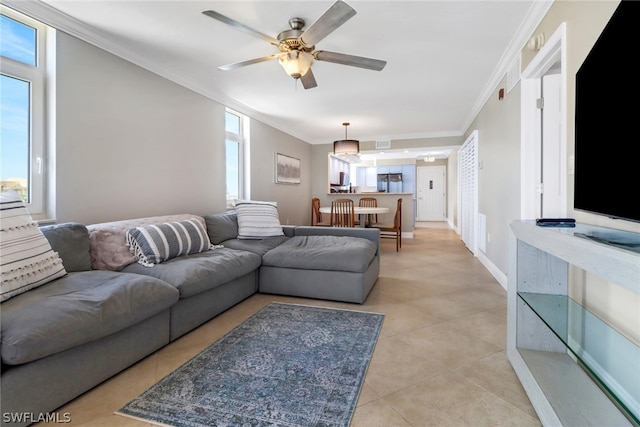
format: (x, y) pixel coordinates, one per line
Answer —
(468, 192)
(432, 194)
(544, 146)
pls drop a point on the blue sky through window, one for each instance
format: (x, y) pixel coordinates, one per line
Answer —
(17, 42)
(14, 101)
(232, 125)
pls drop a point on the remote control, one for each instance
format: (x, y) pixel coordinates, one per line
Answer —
(553, 220)
(556, 222)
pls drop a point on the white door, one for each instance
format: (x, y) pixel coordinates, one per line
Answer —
(552, 200)
(544, 166)
(431, 193)
(468, 191)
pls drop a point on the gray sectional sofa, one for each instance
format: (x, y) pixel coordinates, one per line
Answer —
(108, 312)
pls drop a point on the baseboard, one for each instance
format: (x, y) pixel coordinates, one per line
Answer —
(493, 269)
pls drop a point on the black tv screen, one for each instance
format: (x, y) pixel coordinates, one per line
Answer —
(607, 121)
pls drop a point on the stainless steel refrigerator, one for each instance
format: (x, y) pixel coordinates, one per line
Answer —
(390, 182)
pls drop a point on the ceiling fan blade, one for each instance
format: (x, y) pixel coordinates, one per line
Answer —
(238, 26)
(332, 18)
(308, 80)
(352, 60)
(248, 62)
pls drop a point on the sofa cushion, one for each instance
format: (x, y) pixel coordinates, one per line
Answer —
(71, 241)
(259, 247)
(333, 253)
(257, 220)
(27, 260)
(193, 274)
(109, 250)
(155, 243)
(222, 226)
(79, 308)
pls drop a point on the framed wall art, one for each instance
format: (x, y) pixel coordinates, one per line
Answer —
(287, 169)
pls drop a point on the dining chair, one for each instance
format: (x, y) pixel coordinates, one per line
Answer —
(392, 231)
(369, 202)
(316, 215)
(342, 213)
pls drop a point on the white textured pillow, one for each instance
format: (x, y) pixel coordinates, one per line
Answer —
(26, 258)
(257, 220)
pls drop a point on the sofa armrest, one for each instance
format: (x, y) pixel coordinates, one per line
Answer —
(372, 234)
(289, 230)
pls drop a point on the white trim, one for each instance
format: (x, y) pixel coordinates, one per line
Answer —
(36, 77)
(468, 192)
(494, 270)
(536, 13)
(513, 74)
(552, 52)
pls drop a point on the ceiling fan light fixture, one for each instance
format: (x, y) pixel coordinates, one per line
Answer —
(346, 147)
(296, 63)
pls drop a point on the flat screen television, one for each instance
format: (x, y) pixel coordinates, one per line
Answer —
(607, 120)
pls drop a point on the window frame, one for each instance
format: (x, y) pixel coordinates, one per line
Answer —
(36, 76)
(241, 140)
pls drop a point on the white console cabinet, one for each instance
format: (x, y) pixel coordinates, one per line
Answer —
(576, 369)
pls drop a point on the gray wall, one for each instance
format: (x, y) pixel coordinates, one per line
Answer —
(132, 144)
(294, 200)
(498, 125)
(585, 21)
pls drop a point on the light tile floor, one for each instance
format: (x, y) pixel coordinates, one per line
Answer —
(439, 361)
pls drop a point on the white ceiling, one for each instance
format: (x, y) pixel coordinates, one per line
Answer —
(444, 58)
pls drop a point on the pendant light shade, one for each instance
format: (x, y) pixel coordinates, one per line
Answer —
(346, 147)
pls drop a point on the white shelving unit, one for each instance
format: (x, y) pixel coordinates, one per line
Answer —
(564, 356)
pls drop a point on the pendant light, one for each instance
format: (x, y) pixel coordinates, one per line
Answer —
(346, 147)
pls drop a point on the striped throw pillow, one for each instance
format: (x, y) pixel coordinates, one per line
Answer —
(257, 220)
(155, 243)
(26, 258)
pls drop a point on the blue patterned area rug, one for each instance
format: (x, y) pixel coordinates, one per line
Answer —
(287, 365)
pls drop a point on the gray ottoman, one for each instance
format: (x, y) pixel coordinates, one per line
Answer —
(331, 267)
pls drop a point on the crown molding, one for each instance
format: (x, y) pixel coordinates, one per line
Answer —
(536, 13)
(60, 21)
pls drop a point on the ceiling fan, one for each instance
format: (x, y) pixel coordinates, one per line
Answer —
(297, 46)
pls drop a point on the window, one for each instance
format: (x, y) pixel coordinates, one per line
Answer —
(22, 100)
(235, 125)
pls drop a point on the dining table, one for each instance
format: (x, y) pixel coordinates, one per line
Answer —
(365, 213)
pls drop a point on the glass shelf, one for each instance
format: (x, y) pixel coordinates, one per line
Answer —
(611, 358)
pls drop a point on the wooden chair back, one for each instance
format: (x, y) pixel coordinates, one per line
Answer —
(393, 231)
(370, 202)
(316, 215)
(342, 213)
